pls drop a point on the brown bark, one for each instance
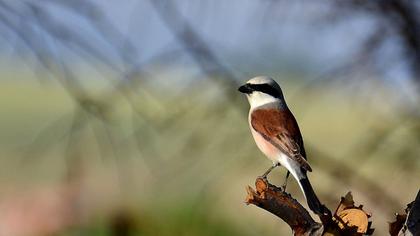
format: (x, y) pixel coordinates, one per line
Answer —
(347, 219)
(281, 204)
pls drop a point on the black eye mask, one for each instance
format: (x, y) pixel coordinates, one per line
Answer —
(266, 88)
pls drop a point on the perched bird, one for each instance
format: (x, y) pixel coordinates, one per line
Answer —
(277, 134)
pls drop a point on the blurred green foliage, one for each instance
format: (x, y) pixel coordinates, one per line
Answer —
(175, 161)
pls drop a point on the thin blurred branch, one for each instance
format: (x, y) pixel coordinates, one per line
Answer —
(345, 174)
(34, 28)
(401, 17)
(195, 45)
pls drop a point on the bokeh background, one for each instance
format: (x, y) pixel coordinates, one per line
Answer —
(122, 117)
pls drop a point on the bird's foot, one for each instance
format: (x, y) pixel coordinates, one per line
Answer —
(283, 187)
(264, 176)
(285, 181)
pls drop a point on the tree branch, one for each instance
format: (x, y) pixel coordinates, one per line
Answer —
(281, 204)
(347, 220)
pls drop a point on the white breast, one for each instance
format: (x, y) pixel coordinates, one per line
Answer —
(265, 147)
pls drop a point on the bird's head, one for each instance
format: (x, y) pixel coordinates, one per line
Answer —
(262, 90)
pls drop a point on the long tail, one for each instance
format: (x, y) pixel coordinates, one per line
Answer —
(313, 201)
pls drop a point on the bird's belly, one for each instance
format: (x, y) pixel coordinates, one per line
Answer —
(276, 156)
(266, 147)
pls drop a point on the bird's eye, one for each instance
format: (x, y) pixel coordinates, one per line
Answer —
(246, 88)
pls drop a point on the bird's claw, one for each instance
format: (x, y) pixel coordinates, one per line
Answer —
(264, 177)
(283, 187)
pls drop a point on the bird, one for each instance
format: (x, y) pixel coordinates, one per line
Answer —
(277, 134)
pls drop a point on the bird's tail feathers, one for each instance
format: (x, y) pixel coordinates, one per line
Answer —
(313, 202)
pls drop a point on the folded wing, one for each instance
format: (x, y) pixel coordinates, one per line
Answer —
(279, 127)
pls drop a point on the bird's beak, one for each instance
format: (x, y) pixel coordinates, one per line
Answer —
(245, 89)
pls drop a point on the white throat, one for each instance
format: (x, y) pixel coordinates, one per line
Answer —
(257, 99)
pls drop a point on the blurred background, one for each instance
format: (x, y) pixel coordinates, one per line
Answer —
(123, 118)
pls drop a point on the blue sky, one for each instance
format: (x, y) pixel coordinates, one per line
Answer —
(275, 36)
